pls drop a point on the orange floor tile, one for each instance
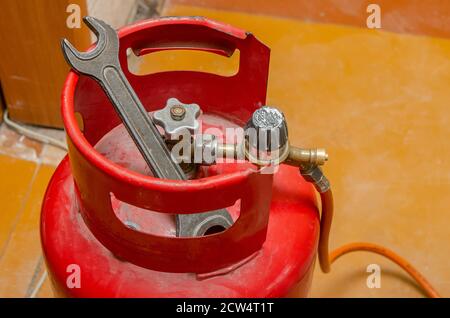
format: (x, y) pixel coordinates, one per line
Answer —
(16, 179)
(25, 169)
(22, 254)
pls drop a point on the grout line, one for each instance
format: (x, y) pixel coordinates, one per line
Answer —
(35, 278)
(39, 285)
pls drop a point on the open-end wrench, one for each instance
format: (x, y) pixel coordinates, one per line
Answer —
(102, 64)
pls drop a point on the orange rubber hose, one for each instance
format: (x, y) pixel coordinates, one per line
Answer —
(325, 227)
(326, 259)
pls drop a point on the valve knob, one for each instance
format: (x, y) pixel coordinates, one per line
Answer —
(177, 118)
(266, 136)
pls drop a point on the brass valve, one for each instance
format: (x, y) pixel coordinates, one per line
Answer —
(296, 157)
(265, 141)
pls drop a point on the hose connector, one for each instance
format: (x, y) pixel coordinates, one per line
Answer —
(313, 174)
(300, 156)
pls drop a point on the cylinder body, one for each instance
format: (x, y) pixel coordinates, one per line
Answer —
(107, 227)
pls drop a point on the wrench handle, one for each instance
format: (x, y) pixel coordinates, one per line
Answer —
(141, 128)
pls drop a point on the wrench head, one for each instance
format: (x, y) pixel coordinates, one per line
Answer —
(105, 51)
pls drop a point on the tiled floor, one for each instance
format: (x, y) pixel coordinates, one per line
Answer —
(25, 168)
(377, 101)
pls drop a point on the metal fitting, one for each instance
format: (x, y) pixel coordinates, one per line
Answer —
(230, 151)
(205, 149)
(299, 156)
(313, 174)
(266, 142)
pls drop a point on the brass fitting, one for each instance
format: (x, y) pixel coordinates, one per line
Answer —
(292, 156)
(299, 156)
(235, 151)
(295, 157)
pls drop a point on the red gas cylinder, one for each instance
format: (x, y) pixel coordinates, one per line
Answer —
(107, 227)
